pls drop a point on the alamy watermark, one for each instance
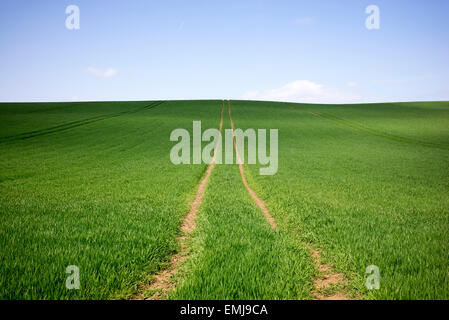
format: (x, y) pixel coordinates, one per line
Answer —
(72, 22)
(73, 280)
(373, 280)
(372, 22)
(257, 147)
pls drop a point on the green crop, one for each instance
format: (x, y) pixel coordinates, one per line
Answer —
(368, 184)
(92, 185)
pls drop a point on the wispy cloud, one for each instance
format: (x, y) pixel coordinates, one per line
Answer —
(304, 20)
(303, 91)
(99, 73)
(352, 84)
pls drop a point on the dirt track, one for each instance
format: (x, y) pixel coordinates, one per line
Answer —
(327, 277)
(162, 281)
(259, 202)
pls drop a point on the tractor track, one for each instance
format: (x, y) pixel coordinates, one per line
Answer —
(328, 285)
(163, 282)
(74, 124)
(327, 279)
(259, 202)
(377, 133)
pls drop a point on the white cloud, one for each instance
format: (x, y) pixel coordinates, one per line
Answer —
(303, 91)
(304, 20)
(99, 73)
(352, 84)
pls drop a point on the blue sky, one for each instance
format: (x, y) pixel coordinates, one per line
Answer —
(305, 51)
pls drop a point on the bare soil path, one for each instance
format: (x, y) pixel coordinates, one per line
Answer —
(259, 202)
(327, 286)
(163, 282)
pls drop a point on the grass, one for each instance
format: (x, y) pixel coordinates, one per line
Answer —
(360, 195)
(236, 253)
(103, 196)
(91, 184)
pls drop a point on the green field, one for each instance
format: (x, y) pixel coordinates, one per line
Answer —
(92, 185)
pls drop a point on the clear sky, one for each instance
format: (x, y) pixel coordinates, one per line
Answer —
(305, 51)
